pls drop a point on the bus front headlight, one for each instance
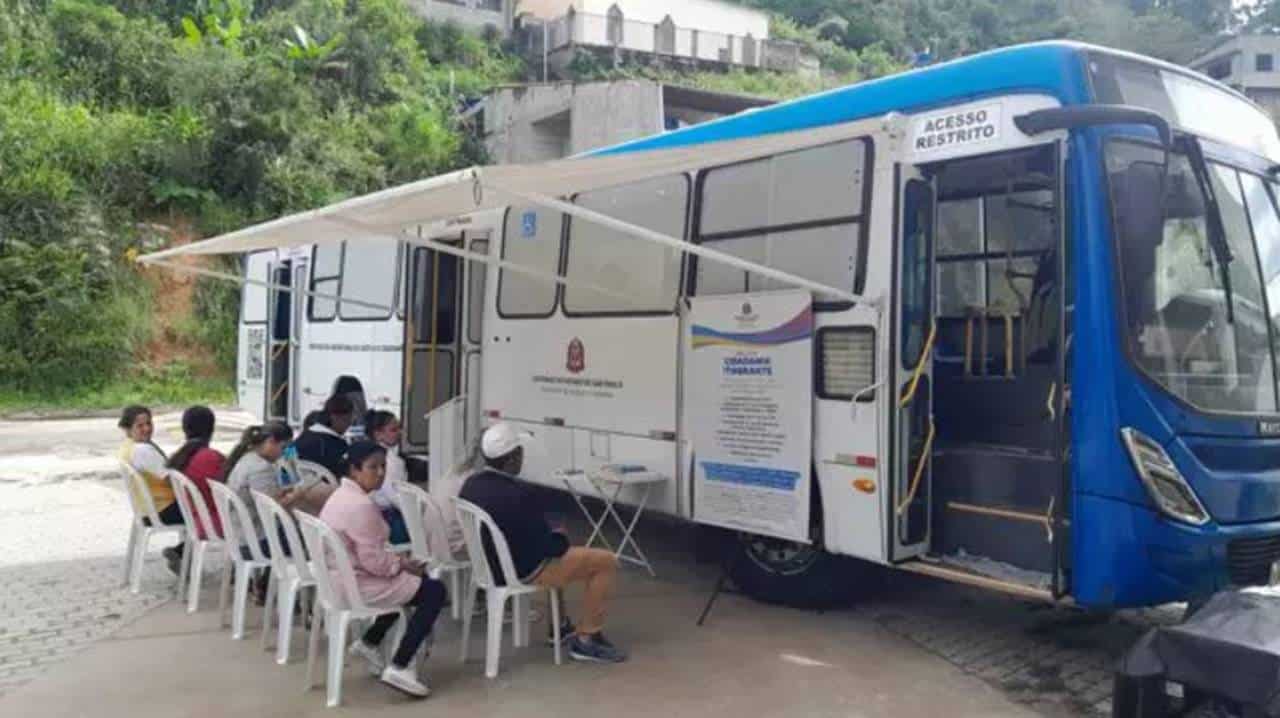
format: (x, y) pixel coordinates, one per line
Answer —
(1165, 484)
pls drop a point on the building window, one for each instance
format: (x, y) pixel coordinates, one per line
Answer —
(1264, 62)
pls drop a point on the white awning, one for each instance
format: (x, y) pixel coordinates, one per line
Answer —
(392, 212)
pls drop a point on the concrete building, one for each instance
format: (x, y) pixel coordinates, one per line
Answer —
(535, 123)
(475, 14)
(694, 32)
(1250, 64)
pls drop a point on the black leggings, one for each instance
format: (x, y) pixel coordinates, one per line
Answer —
(426, 603)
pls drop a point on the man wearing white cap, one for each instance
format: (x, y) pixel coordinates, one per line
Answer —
(542, 555)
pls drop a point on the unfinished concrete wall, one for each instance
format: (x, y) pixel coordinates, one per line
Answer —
(544, 122)
(607, 113)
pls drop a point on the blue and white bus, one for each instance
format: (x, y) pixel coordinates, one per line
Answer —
(1044, 354)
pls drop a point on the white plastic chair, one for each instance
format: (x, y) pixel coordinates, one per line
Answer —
(291, 571)
(238, 530)
(339, 600)
(308, 470)
(194, 509)
(475, 523)
(415, 505)
(144, 525)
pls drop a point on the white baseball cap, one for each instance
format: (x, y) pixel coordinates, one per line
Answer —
(502, 439)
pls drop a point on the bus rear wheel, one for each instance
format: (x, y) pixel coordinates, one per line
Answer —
(794, 574)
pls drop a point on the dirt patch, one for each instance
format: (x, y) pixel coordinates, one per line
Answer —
(174, 308)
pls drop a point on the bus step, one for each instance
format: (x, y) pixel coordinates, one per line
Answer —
(932, 567)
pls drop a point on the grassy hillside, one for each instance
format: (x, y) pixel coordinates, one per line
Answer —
(131, 124)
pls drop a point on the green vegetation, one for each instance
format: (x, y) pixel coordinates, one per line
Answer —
(942, 29)
(120, 121)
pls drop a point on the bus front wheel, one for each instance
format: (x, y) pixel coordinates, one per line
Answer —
(793, 574)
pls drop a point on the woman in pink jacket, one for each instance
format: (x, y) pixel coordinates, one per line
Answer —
(383, 578)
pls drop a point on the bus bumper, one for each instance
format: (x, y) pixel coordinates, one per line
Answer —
(1129, 556)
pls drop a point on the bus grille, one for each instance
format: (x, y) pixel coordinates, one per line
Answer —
(1249, 560)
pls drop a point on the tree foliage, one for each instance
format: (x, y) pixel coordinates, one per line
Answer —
(118, 114)
(913, 30)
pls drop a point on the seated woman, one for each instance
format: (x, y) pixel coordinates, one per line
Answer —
(139, 452)
(382, 577)
(200, 463)
(384, 429)
(323, 443)
(253, 466)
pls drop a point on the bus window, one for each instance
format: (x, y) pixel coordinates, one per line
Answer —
(647, 274)
(435, 297)
(254, 296)
(326, 275)
(530, 238)
(917, 287)
(800, 212)
(962, 280)
(369, 275)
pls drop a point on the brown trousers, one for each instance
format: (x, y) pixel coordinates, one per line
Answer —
(595, 569)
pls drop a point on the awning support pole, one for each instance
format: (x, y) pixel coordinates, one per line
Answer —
(237, 279)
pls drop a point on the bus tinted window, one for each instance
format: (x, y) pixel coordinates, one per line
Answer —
(647, 275)
(369, 272)
(531, 238)
(326, 265)
(799, 212)
(917, 289)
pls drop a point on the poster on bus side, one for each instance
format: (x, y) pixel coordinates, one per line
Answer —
(749, 399)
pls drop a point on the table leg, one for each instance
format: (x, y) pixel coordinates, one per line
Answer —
(629, 528)
(596, 525)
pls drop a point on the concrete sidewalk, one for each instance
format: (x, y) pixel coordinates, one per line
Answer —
(748, 660)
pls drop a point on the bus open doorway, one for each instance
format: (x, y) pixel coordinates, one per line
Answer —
(999, 507)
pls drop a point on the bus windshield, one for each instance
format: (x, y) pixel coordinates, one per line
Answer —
(1190, 103)
(1200, 320)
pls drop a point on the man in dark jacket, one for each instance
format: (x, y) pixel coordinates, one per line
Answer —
(323, 442)
(542, 555)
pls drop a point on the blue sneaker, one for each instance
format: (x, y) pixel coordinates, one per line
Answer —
(596, 649)
(567, 631)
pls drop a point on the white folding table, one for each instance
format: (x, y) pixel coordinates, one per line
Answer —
(608, 483)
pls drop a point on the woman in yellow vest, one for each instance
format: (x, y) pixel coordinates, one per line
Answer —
(149, 461)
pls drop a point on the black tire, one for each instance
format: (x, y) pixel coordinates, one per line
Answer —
(796, 575)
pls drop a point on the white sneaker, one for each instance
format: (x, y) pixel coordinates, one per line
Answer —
(371, 654)
(406, 680)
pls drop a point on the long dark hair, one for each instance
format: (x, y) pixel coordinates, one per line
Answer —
(336, 405)
(130, 414)
(375, 420)
(251, 439)
(197, 426)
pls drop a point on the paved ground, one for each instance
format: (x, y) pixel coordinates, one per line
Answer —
(62, 541)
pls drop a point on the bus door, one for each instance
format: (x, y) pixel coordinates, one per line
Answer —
(251, 358)
(912, 369)
(433, 338)
(280, 327)
(472, 335)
